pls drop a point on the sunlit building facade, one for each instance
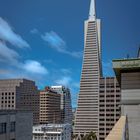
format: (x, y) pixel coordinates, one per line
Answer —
(99, 97)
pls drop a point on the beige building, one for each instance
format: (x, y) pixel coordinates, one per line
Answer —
(16, 125)
(120, 130)
(109, 104)
(20, 94)
(49, 106)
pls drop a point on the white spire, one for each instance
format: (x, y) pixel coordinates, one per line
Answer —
(92, 12)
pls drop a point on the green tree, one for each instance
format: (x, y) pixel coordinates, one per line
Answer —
(90, 136)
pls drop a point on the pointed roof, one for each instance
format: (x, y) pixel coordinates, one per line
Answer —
(92, 12)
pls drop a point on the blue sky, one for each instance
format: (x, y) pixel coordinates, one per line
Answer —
(43, 40)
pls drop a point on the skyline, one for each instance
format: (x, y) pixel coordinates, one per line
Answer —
(34, 27)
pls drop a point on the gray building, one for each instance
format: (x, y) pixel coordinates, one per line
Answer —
(128, 75)
(65, 104)
(15, 125)
(20, 94)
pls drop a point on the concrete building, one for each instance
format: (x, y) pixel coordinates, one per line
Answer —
(66, 106)
(52, 132)
(128, 75)
(87, 114)
(49, 106)
(20, 94)
(99, 98)
(120, 130)
(109, 105)
(16, 125)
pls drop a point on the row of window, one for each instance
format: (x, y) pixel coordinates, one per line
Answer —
(7, 93)
(3, 127)
(5, 106)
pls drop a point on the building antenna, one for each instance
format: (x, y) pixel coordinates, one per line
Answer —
(139, 52)
(128, 56)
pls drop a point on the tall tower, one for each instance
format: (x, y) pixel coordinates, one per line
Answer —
(87, 114)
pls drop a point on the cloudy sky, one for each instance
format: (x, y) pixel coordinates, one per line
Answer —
(42, 40)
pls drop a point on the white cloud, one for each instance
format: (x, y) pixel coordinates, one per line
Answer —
(64, 81)
(7, 54)
(33, 66)
(57, 43)
(8, 35)
(65, 71)
(34, 31)
(76, 54)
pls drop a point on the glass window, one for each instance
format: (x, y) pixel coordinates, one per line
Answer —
(12, 126)
(2, 128)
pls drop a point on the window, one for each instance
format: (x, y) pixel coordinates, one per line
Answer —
(12, 127)
(2, 128)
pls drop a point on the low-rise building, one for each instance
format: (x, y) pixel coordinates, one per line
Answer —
(52, 132)
(15, 125)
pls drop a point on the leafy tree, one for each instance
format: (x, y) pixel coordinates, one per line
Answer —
(90, 136)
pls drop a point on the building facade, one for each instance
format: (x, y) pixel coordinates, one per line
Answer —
(128, 75)
(65, 106)
(99, 97)
(50, 111)
(16, 125)
(52, 132)
(20, 94)
(120, 130)
(109, 105)
(87, 114)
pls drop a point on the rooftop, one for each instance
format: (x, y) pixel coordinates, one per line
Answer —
(120, 65)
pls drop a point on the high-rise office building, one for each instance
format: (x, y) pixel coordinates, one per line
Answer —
(87, 114)
(99, 98)
(66, 107)
(20, 94)
(49, 106)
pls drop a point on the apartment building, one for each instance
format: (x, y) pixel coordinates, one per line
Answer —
(21, 94)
